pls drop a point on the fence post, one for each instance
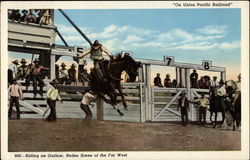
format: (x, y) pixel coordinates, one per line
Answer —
(52, 66)
(99, 108)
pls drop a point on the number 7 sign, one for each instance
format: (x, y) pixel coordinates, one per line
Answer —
(169, 60)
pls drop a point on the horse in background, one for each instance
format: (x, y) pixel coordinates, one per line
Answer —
(215, 107)
(113, 70)
(233, 109)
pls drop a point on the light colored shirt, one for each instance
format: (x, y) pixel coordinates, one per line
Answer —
(94, 55)
(53, 94)
(203, 102)
(63, 73)
(14, 69)
(221, 91)
(87, 98)
(238, 86)
(15, 90)
(214, 83)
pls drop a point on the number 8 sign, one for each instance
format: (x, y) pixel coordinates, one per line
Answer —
(206, 64)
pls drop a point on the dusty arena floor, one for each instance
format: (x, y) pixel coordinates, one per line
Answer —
(77, 135)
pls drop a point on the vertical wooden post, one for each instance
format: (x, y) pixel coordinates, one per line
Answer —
(52, 66)
(188, 86)
(99, 108)
(223, 76)
(183, 77)
(177, 70)
(140, 75)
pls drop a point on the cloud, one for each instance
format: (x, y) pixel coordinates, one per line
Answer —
(213, 29)
(228, 45)
(132, 38)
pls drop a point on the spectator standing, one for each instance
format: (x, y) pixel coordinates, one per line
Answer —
(174, 83)
(72, 73)
(183, 103)
(15, 15)
(63, 74)
(15, 93)
(23, 70)
(203, 103)
(36, 77)
(14, 68)
(46, 18)
(52, 96)
(30, 18)
(214, 83)
(24, 11)
(193, 79)
(157, 80)
(86, 101)
(201, 83)
(167, 81)
(220, 93)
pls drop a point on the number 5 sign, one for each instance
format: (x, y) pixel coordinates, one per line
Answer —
(206, 64)
(169, 60)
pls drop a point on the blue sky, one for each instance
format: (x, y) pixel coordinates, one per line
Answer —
(190, 35)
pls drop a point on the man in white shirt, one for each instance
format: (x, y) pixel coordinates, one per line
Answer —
(15, 93)
(214, 83)
(63, 74)
(86, 101)
(52, 96)
(203, 103)
(220, 93)
(14, 69)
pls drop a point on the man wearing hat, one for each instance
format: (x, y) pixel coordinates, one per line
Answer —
(167, 81)
(37, 77)
(52, 96)
(183, 103)
(13, 67)
(15, 93)
(193, 79)
(24, 11)
(96, 54)
(46, 18)
(72, 73)
(203, 103)
(15, 15)
(22, 70)
(157, 80)
(214, 83)
(63, 74)
(220, 93)
(30, 17)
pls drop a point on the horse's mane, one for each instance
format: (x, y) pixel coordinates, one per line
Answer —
(126, 57)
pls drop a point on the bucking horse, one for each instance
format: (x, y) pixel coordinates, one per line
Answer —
(113, 70)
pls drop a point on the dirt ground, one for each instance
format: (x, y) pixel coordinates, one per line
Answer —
(78, 135)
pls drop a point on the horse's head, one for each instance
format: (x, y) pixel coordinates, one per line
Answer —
(230, 87)
(132, 67)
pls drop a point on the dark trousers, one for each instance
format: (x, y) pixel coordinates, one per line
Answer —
(16, 101)
(52, 106)
(87, 111)
(184, 116)
(37, 81)
(64, 80)
(202, 115)
(222, 103)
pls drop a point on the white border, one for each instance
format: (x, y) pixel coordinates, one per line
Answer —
(243, 154)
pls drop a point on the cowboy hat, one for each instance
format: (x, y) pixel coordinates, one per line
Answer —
(23, 61)
(15, 62)
(239, 76)
(54, 81)
(73, 65)
(214, 76)
(158, 74)
(168, 75)
(36, 60)
(63, 64)
(24, 10)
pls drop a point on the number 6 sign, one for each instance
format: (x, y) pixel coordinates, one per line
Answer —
(206, 64)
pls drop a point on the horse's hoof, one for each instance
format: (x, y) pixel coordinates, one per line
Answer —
(121, 114)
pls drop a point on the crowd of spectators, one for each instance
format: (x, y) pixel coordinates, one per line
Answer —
(38, 16)
(204, 82)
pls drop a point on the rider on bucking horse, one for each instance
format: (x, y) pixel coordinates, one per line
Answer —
(96, 55)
